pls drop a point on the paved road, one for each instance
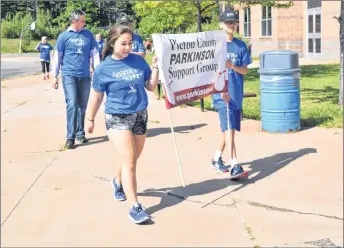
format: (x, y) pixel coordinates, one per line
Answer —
(15, 68)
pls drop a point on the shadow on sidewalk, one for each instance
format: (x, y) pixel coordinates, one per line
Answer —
(269, 165)
(173, 196)
(265, 167)
(94, 140)
(151, 132)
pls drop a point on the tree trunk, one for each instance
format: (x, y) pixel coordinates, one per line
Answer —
(199, 29)
(199, 16)
(341, 35)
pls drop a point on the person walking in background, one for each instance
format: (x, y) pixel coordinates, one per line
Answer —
(148, 45)
(75, 48)
(44, 48)
(124, 76)
(238, 60)
(100, 45)
(137, 47)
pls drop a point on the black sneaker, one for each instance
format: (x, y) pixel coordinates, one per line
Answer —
(69, 144)
(82, 139)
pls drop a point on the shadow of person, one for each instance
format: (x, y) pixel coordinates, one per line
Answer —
(151, 132)
(269, 165)
(94, 140)
(173, 196)
(265, 167)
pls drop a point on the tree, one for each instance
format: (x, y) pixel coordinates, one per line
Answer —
(168, 16)
(341, 37)
(89, 7)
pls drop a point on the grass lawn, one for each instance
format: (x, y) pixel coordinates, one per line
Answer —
(319, 90)
(12, 45)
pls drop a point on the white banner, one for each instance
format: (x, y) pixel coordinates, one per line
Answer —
(192, 66)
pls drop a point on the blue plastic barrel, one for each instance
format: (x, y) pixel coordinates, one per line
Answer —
(280, 91)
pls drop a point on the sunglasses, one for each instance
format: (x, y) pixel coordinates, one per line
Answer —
(231, 22)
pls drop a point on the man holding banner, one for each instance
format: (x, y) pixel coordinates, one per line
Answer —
(238, 58)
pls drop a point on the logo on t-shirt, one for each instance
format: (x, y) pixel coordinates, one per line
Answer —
(127, 74)
(80, 43)
(132, 88)
(233, 58)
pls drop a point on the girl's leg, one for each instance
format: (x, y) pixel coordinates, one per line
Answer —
(139, 144)
(124, 143)
(48, 68)
(43, 68)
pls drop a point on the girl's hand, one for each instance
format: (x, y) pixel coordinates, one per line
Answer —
(155, 61)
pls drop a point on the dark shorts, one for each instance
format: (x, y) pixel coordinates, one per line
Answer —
(234, 118)
(136, 122)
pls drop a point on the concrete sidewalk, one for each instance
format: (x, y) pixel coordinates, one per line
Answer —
(50, 197)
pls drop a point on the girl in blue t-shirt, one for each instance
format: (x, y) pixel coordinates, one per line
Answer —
(44, 47)
(124, 76)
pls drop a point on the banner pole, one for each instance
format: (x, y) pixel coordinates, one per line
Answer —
(228, 135)
(175, 148)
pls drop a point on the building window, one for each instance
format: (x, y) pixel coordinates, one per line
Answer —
(266, 21)
(247, 22)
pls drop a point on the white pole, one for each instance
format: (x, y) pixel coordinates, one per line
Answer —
(20, 40)
(228, 136)
(175, 148)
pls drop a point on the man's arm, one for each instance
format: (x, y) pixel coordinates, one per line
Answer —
(57, 60)
(240, 69)
(57, 57)
(245, 61)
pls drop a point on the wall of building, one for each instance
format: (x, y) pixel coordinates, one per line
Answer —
(289, 29)
(290, 25)
(330, 30)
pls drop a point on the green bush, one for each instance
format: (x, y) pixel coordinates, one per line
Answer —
(54, 32)
(44, 25)
(12, 26)
(26, 40)
(96, 30)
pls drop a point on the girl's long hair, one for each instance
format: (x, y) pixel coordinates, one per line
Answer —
(113, 35)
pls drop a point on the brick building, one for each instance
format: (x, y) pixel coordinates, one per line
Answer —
(308, 27)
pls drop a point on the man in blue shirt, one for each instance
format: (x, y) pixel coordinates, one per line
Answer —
(100, 45)
(138, 47)
(77, 52)
(238, 60)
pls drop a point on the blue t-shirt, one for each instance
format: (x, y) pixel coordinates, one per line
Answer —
(76, 48)
(138, 44)
(238, 53)
(123, 81)
(44, 51)
(100, 45)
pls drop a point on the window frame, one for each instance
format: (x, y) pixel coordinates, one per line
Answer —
(266, 19)
(247, 15)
